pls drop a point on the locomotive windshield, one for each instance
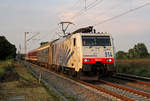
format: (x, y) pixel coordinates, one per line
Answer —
(96, 41)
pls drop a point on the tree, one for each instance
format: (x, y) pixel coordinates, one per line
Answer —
(121, 55)
(140, 50)
(131, 53)
(7, 50)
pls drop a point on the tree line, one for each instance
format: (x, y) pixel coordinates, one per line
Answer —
(138, 51)
(7, 50)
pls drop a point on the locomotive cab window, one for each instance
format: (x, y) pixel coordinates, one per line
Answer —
(96, 41)
(74, 41)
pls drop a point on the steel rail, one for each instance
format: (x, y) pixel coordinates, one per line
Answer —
(133, 80)
(124, 88)
(106, 91)
(134, 77)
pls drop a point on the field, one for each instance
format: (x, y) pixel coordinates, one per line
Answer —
(139, 67)
(17, 83)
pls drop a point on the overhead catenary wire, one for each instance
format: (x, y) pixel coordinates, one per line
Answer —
(85, 4)
(103, 12)
(91, 5)
(33, 43)
(81, 12)
(75, 5)
(33, 36)
(94, 4)
(51, 32)
(54, 29)
(122, 14)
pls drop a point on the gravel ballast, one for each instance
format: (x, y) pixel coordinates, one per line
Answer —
(70, 87)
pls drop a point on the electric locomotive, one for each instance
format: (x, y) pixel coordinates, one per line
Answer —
(84, 53)
(87, 54)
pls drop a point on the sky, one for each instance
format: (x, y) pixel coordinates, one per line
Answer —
(44, 16)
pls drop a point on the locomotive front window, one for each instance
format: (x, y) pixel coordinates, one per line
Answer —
(96, 41)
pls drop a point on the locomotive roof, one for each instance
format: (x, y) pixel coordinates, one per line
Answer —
(88, 34)
(96, 34)
(45, 46)
(82, 34)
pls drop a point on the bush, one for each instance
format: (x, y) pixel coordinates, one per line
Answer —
(7, 50)
(5, 66)
(139, 69)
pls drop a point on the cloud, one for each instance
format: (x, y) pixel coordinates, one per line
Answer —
(134, 27)
(68, 16)
(131, 26)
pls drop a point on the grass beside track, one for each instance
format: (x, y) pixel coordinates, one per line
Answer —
(4, 66)
(26, 87)
(139, 67)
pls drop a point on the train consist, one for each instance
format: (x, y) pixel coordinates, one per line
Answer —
(84, 54)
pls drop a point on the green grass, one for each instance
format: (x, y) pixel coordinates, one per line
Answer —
(4, 66)
(2, 71)
(134, 68)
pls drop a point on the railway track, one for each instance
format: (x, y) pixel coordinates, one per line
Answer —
(118, 96)
(133, 77)
(118, 91)
(136, 82)
(125, 91)
(132, 80)
(45, 75)
(130, 95)
(129, 84)
(103, 89)
(121, 92)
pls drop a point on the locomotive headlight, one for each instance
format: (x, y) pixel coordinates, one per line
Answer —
(109, 60)
(86, 60)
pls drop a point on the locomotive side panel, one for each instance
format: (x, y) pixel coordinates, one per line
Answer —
(76, 59)
(50, 55)
(43, 54)
(67, 52)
